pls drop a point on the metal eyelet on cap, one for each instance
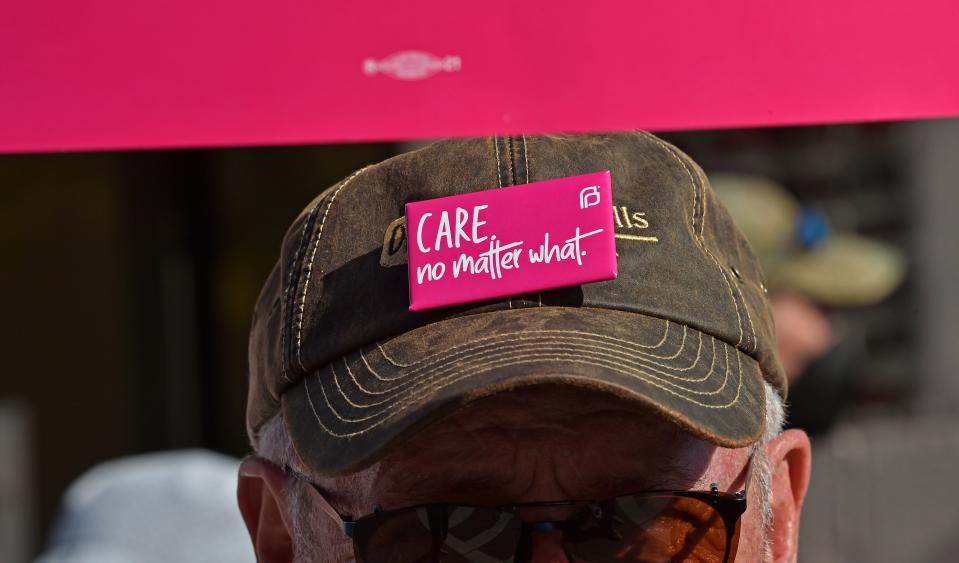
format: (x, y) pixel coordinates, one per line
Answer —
(736, 273)
(597, 511)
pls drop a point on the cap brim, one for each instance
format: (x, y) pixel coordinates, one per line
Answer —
(848, 270)
(347, 414)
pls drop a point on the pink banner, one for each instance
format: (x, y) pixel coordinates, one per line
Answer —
(99, 75)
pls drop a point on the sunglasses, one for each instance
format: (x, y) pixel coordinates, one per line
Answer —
(651, 526)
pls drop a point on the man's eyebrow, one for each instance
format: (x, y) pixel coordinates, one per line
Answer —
(667, 474)
(672, 474)
(660, 475)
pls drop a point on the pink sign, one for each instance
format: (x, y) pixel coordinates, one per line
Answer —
(510, 241)
(101, 74)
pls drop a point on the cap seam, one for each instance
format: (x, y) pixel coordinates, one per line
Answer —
(742, 299)
(690, 226)
(499, 176)
(288, 303)
(699, 239)
(539, 294)
(526, 157)
(512, 159)
(309, 268)
(499, 181)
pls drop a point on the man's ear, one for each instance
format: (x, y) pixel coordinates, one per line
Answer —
(790, 456)
(261, 495)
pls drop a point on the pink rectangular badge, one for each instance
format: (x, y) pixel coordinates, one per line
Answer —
(510, 241)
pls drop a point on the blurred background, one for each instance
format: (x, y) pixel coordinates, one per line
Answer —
(129, 280)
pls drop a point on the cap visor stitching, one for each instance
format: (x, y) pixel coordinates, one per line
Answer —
(535, 348)
(472, 342)
(400, 407)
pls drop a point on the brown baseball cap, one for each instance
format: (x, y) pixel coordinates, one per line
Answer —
(685, 329)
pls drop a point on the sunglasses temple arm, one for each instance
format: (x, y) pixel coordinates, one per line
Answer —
(325, 506)
(749, 471)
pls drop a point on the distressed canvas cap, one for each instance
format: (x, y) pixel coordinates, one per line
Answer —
(685, 329)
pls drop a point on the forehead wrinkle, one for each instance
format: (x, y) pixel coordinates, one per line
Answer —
(466, 471)
(448, 460)
(680, 470)
(451, 489)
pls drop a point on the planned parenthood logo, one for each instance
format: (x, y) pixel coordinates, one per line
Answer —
(589, 197)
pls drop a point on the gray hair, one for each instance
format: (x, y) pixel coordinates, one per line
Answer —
(273, 443)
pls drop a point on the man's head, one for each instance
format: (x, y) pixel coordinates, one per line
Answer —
(663, 379)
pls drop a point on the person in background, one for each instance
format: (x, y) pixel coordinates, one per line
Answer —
(811, 269)
(175, 506)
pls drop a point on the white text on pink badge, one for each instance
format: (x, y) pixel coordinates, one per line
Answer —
(467, 230)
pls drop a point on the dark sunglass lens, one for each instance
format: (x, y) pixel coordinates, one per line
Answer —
(455, 534)
(481, 535)
(401, 536)
(651, 529)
